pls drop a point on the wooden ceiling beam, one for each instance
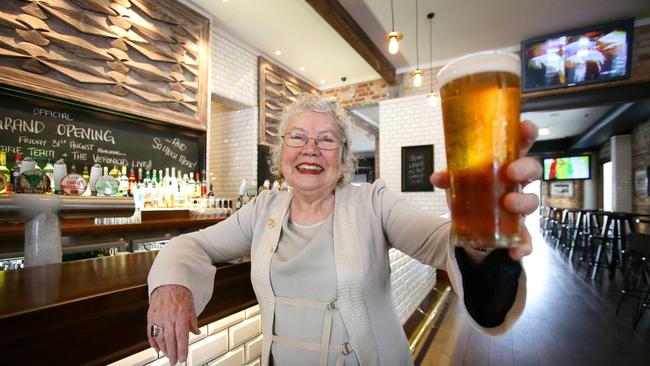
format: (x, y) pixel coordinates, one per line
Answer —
(338, 18)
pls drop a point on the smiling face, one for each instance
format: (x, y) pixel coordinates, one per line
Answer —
(309, 169)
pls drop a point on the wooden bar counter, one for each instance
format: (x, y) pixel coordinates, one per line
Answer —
(93, 312)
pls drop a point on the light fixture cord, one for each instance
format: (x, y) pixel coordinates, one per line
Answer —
(417, 42)
(392, 16)
(431, 52)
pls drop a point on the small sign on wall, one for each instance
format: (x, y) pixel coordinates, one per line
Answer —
(641, 184)
(562, 189)
(417, 166)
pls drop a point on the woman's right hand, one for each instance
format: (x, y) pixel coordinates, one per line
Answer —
(172, 307)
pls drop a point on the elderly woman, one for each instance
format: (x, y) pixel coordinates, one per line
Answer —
(320, 266)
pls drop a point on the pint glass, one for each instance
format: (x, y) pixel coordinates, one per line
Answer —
(480, 108)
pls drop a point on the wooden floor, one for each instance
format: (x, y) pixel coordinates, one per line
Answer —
(568, 320)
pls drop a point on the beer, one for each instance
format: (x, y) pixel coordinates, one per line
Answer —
(480, 107)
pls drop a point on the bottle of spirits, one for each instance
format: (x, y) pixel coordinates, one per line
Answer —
(115, 173)
(49, 171)
(204, 184)
(212, 200)
(124, 183)
(73, 169)
(85, 173)
(15, 173)
(140, 176)
(132, 182)
(5, 172)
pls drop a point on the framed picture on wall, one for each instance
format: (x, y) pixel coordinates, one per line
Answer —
(417, 166)
(641, 184)
(562, 189)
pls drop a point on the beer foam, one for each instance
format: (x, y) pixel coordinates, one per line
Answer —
(476, 63)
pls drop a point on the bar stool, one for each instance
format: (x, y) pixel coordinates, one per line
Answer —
(636, 275)
(559, 228)
(588, 225)
(554, 217)
(568, 226)
(598, 242)
(544, 218)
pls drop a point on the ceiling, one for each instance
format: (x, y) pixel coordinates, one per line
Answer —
(565, 123)
(311, 49)
(459, 27)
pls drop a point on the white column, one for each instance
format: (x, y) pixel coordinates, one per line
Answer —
(621, 152)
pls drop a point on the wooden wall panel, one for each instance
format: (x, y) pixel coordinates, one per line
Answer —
(277, 89)
(147, 58)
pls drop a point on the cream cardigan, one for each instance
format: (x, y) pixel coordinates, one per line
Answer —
(368, 220)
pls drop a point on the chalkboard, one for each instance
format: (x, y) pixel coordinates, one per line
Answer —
(417, 166)
(46, 128)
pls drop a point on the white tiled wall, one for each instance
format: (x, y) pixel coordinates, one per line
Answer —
(233, 341)
(234, 71)
(411, 283)
(232, 152)
(621, 150)
(232, 130)
(411, 121)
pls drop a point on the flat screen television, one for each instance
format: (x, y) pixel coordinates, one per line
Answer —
(587, 55)
(567, 167)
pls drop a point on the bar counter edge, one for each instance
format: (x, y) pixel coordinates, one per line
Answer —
(94, 312)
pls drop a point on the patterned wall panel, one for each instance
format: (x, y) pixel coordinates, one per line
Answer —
(144, 57)
(277, 89)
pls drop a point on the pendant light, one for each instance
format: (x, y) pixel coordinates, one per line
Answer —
(417, 74)
(393, 37)
(431, 94)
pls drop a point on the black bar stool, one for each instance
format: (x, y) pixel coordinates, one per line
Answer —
(598, 243)
(588, 225)
(636, 275)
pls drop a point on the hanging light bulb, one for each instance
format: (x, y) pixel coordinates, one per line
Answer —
(393, 37)
(417, 78)
(431, 98)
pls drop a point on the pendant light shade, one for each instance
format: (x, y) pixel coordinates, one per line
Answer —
(393, 37)
(417, 78)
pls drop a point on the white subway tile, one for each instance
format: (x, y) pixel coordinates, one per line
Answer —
(232, 358)
(208, 348)
(240, 333)
(254, 348)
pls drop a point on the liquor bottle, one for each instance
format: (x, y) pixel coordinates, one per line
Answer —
(140, 176)
(191, 186)
(73, 169)
(132, 182)
(105, 171)
(228, 208)
(212, 200)
(147, 177)
(6, 172)
(49, 171)
(204, 184)
(15, 173)
(124, 183)
(197, 187)
(85, 173)
(115, 173)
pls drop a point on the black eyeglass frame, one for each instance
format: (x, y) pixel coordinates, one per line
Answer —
(341, 141)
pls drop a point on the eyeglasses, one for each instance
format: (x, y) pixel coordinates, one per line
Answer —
(327, 141)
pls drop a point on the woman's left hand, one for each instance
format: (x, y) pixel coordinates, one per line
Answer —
(523, 170)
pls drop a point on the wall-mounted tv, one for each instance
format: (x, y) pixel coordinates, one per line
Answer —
(587, 55)
(567, 167)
